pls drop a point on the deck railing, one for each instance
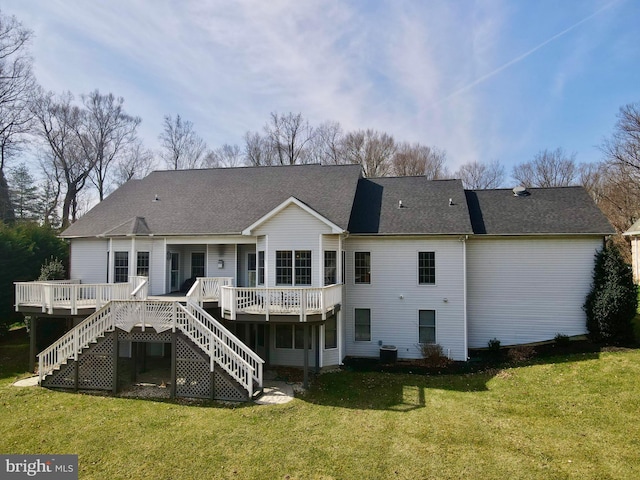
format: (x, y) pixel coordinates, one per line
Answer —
(301, 301)
(207, 289)
(72, 295)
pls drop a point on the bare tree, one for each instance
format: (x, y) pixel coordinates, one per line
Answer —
(289, 136)
(478, 175)
(58, 122)
(182, 147)
(135, 162)
(227, 156)
(105, 131)
(327, 144)
(624, 145)
(17, 84)
(371, 149)
(420, 160)
(549, 168)
(257, 150)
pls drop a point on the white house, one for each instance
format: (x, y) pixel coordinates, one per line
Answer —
(306, 265)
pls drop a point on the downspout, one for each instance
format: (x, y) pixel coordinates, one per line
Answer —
(464, 282)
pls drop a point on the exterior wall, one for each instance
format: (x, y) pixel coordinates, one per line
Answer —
(635, 258)
(523, 290)
(88, 260)
(292, 357)
(292, 229)
(242, 274)
(395, 297)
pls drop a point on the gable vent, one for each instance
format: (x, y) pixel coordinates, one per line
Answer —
(521, 191)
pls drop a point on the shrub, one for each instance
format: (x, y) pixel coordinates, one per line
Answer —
(612, 302)
(494, 345)
(561, 339)
(521, 353)
(433, 355)
(52, 269)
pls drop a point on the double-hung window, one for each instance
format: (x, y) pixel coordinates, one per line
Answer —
(331, 333)
(426, 268)
(261, 267)
(197, 264)
(362, 267)
(284, 267)
(330, 266)
(427, 326)
(121, 267)
(303, 267)
(143, 264)
(362, 325)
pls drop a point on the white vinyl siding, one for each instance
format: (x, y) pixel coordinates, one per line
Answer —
(88, 261)
(523, 290)
(292, 229)
(395, 297)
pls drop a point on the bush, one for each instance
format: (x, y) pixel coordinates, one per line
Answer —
(612, 302)
(52, 269)
(521, 353)
(433, 355)
(562, 340)
(494, 345)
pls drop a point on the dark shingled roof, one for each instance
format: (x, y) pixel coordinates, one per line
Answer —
(425, 210)
(217, 201)
(545, 211)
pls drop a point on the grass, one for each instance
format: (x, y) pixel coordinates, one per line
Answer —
(575, 416)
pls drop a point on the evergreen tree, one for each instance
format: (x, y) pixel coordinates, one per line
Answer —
(612, 302)
(24, 193)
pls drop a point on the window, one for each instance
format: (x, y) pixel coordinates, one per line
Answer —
(330, 266)
(284, 265)
(303, 267)
(427, 326)
(284, 337)
(197, 264)
(261, 267)
(251, 269)
(362, 268)
(291, 336)
(363, 325)
(331, 333)
(143, 264)
(426, 268)
(299, 337)
(121, 267)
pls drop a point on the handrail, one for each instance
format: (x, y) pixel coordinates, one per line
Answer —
(218, 350)
(223, 348)
(207, 288)
(71, 343)
(229, 339)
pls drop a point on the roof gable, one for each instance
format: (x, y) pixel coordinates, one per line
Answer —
(291, 201)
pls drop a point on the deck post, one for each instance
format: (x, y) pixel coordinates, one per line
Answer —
(32, 343)
(115, 361)
(305, 382)
(173, 364)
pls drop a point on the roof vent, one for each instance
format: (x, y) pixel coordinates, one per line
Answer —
(156, 199)
(450, 201)
(520, 191)
(400, 204)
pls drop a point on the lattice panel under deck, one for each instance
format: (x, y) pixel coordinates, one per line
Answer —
(226, 388)
(149, 335)
(193, 377)
(63, 378)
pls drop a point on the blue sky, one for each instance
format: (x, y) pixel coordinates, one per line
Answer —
(484, 80)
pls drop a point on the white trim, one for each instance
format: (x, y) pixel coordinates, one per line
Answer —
(464, 299)
(285, 204)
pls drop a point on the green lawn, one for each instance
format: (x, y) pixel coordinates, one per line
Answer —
(573, 417)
